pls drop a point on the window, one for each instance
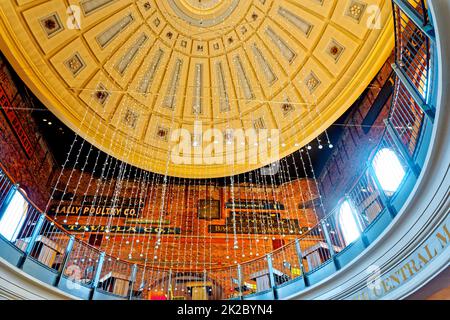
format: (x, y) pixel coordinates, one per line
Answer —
(388, 169)
(14, 216)
(348, 223)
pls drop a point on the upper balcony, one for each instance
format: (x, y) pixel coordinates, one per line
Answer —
(396, 209)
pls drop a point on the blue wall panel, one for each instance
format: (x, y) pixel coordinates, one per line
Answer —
(350, 252)
(291, 287)
(378, 226)
(324, 271)
(265, 295)
(39, 271)
(79, 291)
(9, 252)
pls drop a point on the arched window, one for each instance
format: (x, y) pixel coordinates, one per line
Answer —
(348, 223)
(388, 169)
(14, 216)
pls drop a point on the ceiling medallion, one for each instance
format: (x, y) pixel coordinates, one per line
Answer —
(203, 13)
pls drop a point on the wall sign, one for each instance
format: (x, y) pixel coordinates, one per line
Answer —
(98, 211)
(409, 267)
(122, 229)
(253, 230)
(255, 204)
(258, 223)
(98, 206)
(108, 201)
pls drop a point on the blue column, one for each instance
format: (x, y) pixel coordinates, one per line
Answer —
(327, 237)
(427, 109)
(384, 199)
(67, 253)
(300, 260)
(329, 243)
(35, 234)
(29, 247)
(358, 218)
(98, 270)
(169, 284)
(271, 274)
(133, 280)
(239, 274)
(416, 18)
(402, 149)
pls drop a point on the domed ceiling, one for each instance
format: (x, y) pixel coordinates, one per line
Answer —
(126, 74)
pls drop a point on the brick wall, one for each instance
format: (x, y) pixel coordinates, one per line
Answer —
(23, 152)
(195, 245)
(354, 146)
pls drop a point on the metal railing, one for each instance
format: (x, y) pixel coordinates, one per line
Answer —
(295, 263)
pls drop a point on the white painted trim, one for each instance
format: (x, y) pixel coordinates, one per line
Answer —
(15, 284)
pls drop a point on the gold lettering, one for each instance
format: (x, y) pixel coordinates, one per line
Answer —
(387, 287)
(414, 266)
(375, 291)
(422, 259)
(394, 278)
(430, 255)
(443, 240)
(402, 271)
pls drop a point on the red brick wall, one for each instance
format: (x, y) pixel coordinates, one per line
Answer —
(195, 244)
(354, 146)
(34, 173)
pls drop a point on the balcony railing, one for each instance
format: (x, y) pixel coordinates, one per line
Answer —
(82, 270)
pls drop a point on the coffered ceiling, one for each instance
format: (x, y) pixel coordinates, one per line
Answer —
(125, 74)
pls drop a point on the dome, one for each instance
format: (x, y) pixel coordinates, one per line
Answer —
(127, 75)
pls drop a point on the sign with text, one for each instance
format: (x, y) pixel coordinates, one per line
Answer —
(254, 204)
(258, 223)
(278, 230)
(109, 201)
(122, 229)
(97, 211)
(381, 284)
